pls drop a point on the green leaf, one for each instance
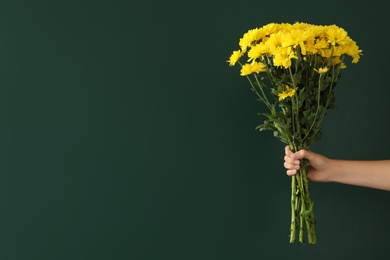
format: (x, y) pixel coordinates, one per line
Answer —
(297, 78)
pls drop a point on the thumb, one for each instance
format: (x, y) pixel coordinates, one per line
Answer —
(304, 154)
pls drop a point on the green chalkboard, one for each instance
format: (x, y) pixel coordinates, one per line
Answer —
(125, 134)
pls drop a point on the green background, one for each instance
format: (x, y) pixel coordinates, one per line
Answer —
(125, 134)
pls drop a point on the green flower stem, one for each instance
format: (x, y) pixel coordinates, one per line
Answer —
(294, 203)
(262, 92)
(301, 222)
(269, 65)
(303, 208)
(294, 107)
(259, 95)
(327, 101)
(318, 107)
(294, 200)
(307, 213)
(330, 91)
(263, 97)
(315, 65)
(301, 202)
(292, 78)
(295, 116)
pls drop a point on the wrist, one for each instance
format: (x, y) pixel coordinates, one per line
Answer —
(331, 171)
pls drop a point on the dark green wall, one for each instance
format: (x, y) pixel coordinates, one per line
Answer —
(125, 135)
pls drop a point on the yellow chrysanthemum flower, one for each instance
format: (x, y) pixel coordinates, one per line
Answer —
(275, 42)
(337, 61)
(318, 31)
(353, 51)
(253, 67)
(289, 92)
(321, 44)
(236, 55)
(336, 35)
(300, 26)
(248, 38)
(325, 53)
(285, 27)
(295, 38)
(322, 70)
(283, 57)
(257, 51)
(270, 28)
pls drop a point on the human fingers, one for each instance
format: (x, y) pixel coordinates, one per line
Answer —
(291, 164)
(291, 172)
(287, 150)
(290, 158)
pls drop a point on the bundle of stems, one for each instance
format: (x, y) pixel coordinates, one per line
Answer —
(296, 121)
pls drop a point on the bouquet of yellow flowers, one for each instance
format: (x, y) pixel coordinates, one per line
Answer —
(293, 69)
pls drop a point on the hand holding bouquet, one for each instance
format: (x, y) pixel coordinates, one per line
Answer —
(293, 69)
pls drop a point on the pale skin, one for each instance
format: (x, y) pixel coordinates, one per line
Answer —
(371, 174)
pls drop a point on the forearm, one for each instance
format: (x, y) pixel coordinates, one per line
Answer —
(372, 174)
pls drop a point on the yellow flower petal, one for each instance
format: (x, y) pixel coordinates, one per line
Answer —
(254, 67)
(236, 55)
(289, 92)
(322, 70)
